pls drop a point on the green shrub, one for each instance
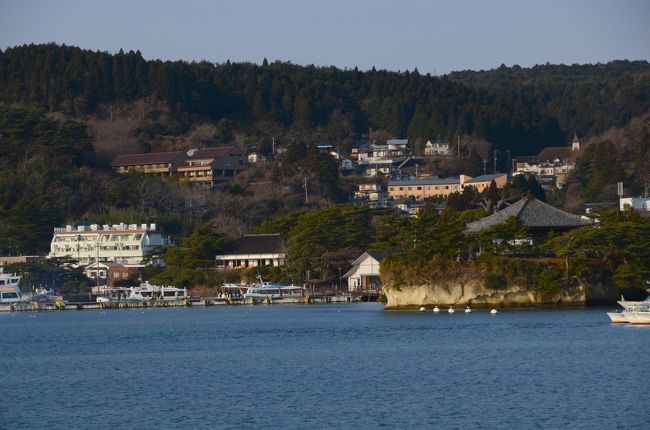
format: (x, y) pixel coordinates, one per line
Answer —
(493, 281)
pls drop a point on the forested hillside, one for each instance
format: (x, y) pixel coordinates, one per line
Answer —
(522, 110)
(586, 98)
(54, 101)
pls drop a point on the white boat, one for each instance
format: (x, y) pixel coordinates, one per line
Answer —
(41, 294)
(142, 293)
(9, 290)
(266, 292)
(634, 312)
(617, 317)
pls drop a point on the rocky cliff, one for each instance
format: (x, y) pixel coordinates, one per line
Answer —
(474, 294)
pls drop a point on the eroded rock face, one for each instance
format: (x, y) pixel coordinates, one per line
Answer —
(475, 294)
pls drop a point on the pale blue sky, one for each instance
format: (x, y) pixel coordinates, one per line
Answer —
(434, 36)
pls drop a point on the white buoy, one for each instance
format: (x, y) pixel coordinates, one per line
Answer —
(436, 310)
(422, 309)
(493, 312)
(468, 310)
(451, 310)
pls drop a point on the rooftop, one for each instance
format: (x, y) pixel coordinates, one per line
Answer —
(485, 178)
(149, 158)
(210, 153)
(256, 244)
(531, 213)
(556, 153)
(437, 181)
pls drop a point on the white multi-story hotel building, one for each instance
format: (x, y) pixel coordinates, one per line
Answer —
(126, 244)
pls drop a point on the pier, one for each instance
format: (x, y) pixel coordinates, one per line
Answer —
(62, 305)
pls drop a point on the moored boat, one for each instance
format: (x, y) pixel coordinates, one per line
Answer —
(143, 293)
(634, 312)
(9, 290)
(266, 292)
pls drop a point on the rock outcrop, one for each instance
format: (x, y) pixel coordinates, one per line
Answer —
(474, 294)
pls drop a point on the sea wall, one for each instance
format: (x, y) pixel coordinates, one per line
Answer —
(474, 294)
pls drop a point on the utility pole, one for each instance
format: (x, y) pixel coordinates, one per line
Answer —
(496, 151)
(458, 146)
(484, 167)
(273, 146)
(306, 196)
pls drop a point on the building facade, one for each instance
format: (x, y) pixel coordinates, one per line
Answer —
(551, 166)
(365, 274)
(107, 273)
(212, 165)
(154, 163)
(253, 250)
(437, 147)
(484, 181)
(639, 204)
(126, 244)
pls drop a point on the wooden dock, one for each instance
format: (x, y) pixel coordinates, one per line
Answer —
(193, 302)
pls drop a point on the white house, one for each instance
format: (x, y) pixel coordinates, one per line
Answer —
(252, 250)
(364, 274)
(639, 204)
(436, 147)
(126, 244)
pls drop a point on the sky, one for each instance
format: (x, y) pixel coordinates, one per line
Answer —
(435, 36)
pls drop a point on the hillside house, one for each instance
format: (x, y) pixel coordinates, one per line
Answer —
(212, 165)
(437, 147)
(153, 163)
(639, 204)
(482, 182)
(383, 159)
(551, 166)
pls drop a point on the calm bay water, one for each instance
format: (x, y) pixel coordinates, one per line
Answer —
(333, 366)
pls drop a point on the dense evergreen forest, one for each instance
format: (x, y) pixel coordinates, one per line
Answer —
(519, 109)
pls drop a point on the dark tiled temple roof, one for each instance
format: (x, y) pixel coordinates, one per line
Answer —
(531, 213)
(257, 244)
(150, 158)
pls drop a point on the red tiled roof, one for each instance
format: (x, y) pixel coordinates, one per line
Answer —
(150, 158)
(208, 153)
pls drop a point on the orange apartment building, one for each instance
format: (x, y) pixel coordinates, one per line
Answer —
(425, 188)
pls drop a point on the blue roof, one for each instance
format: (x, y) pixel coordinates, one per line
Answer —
(485, 178)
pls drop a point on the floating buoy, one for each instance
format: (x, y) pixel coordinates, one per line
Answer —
(493, 312)
(422, 309)
(436, 310)
(468, 310)
(451, 310)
